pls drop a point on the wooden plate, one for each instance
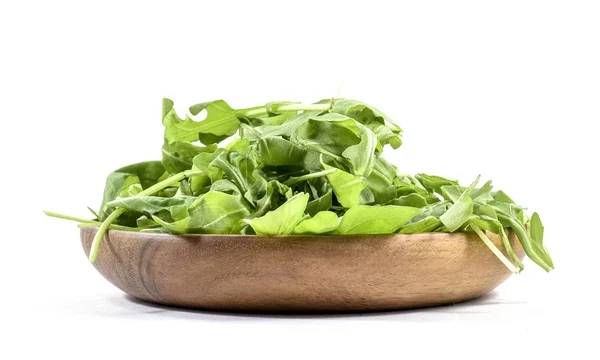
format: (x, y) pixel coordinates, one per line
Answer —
(300, 273)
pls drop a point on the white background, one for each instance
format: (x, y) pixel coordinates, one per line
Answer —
(509, 90)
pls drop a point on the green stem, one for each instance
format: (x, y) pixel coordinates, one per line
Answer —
(301, 107)
(67, 217)
(525, 241)
(494, 249)
(262, 110)
(510, 250)
(295, 180)
(86, 222)
(253, 111)
(119, 211)
(100, 233)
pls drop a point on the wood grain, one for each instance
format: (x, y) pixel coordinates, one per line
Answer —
(300, 273)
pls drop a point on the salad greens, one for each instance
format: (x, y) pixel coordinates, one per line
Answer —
(290, 168)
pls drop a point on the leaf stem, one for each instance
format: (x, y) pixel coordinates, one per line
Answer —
(301, 107)
(86, 222)
(94, 250)
(525, 241)
(510, 250)
(494, 249)
(295, 180)
(119, 211)
(262, 110)
(68, 217)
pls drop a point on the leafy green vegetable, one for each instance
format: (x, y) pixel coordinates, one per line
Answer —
(145, 174)
(221, 122)
(212, 213)
(290, 168)
(178, 155)
(460, 211)
(364, 219)
(282, 220)
(424, 225)
(151, 204)
(323, 222)
(349, 189)
(276, 151)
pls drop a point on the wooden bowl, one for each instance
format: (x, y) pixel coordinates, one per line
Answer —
(300, 273)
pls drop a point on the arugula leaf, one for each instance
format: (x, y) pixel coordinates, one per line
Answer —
(221, 121)
(178, 155)
(362, 156)
(349, 189)
(425, 225)
(145, 174)
(282, 220)
(363, 113)
(364, 219)
(534, 249)
(414, 200)
(434, 183)
(460, 211)
(151, 204)
(326, 137)
(212, 213)
(276, 151)
(323, 222)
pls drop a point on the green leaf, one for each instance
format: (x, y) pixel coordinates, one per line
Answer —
(483, 194)
(434, 183)
(452, 192)
(537, 237)
(285, 129)
(385, 135)
(276, 151)
(413, 200)
(323, 222)
(322, 203)
(212, 213)
(150, 204)
(145, 174)
(221, 120)
(425, 225)
(460, 211)
(381, 177)
(500, 196)
(436, 210)
(326, 137)
(209, 174)
(178, 155)
(282, 220)
(230, 163)
(364, 219)
(226, 186)
(493, 225)
(363, 113)
(534, 250)
(362, 156)
(348, 188)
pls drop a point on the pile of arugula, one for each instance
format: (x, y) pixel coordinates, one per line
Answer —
(299, 169)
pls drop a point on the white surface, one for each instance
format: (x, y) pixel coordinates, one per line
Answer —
(509, 90)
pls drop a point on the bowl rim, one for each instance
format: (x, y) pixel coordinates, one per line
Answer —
(292, 236)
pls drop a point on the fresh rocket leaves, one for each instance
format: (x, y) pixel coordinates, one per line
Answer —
(291, 169)
(282, 220)
(364, 219)
(121, 181)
